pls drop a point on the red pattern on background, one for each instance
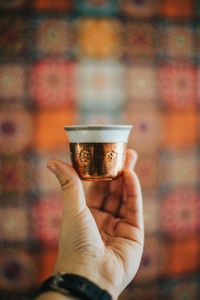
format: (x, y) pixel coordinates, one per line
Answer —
(53, 83)
(178, 86)
(180, 213)
(47, 216)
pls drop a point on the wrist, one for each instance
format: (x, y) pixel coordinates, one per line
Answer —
(51, 295)
(90, 270)
(72, 286)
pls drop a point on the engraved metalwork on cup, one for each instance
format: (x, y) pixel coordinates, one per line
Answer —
(98, 152)
(85, 157)
(112, 155)
(95, 161)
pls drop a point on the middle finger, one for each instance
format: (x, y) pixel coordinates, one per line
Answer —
(112, 202)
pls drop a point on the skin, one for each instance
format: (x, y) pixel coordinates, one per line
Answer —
(102, 233)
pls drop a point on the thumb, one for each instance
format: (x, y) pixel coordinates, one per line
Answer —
(73, 194)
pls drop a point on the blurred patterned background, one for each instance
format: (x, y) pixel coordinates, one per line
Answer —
(100, 62)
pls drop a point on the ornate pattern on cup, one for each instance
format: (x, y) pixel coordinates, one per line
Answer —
(98, 152)
(98, 161)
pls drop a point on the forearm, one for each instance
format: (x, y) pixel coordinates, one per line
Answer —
(55, 296)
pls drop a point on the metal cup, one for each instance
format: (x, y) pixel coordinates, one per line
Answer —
(98, 152)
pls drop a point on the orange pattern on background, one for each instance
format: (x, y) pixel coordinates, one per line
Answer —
(99, 37)
(52, 4)
(177, 8)
(183, 256)
(48, 128)
(180, 129)
(48, 258)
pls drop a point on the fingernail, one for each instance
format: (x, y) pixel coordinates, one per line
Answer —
(52, 167)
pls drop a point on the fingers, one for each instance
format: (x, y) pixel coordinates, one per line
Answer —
(72, 189)
(131, 159)
(114, 198)
(96, 194)
(131, 208)
(112, 190)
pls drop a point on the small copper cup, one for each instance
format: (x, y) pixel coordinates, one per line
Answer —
(98, 152)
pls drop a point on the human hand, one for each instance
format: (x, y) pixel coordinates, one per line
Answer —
(101, 238)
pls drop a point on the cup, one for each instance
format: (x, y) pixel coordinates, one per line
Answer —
(98, 151)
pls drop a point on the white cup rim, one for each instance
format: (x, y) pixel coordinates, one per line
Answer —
(97, 127)
(98, 133)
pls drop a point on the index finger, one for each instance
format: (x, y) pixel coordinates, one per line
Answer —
(131, 207)
(130, 162)
(98, 190)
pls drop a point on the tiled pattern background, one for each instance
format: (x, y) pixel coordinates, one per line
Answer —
(127, 62)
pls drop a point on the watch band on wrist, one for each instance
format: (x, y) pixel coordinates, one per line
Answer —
(74, 285)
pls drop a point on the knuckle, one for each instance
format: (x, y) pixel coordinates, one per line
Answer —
(66, 184)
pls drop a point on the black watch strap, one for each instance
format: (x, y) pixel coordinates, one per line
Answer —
(75, 285)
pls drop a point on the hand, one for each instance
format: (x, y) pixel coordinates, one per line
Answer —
(101, 238)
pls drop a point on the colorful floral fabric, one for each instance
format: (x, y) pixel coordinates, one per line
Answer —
(100, 62)
(139, 41)
(46, 220)
(52, 36)
(52, 83)
(102, 85)
(98, 37)
(97, 7)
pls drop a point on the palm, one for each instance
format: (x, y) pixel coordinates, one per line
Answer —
(114, 248)
(116, 208)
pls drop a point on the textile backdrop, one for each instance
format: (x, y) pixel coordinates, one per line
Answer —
(100, 62)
